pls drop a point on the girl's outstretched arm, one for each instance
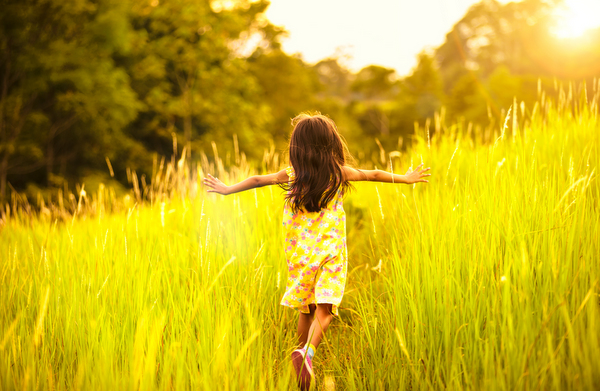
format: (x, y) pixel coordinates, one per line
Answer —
(353, 174)
(216, 186)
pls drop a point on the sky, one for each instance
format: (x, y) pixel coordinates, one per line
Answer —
(389, 33)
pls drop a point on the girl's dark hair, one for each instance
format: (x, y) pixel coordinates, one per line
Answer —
(317, 153)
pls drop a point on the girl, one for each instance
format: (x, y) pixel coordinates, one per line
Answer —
(314, 225)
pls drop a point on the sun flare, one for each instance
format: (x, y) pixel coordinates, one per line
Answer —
(575, 17)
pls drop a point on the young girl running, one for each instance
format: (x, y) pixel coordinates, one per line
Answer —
(314, 226)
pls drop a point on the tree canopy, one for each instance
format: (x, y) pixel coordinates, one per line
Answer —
(86, 82)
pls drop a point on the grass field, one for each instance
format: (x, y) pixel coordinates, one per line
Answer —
(486, 278)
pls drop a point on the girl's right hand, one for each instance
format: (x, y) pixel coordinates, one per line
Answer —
(417, 175)
(216, 186)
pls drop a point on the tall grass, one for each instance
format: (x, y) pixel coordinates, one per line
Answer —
(486, 278)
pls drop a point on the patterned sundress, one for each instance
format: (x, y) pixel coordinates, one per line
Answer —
(316, 254)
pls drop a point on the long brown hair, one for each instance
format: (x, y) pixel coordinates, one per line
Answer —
(317, 153)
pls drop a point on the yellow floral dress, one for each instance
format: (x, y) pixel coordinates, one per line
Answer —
(316, 254)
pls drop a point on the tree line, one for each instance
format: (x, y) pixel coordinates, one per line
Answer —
(87, 84)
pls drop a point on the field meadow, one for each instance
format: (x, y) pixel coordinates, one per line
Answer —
(487, 278)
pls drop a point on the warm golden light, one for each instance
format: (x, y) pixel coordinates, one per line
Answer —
(575, 17)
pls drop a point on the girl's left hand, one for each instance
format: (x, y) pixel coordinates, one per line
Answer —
(417, 175)
(216, 186)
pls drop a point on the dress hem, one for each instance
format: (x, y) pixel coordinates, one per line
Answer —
(334, 307)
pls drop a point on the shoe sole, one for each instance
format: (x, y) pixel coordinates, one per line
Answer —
(303, 372)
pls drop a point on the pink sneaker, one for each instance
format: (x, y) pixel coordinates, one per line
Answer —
(303, 366)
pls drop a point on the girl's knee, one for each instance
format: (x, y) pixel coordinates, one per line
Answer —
(326, 307)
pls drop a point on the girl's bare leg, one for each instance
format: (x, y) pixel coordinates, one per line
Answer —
(304, 323)
(320, 324)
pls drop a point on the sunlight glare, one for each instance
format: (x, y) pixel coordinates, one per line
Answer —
(575, 17)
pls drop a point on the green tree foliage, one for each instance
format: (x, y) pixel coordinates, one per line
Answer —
(491, 34)
(187, 70)
(84, 80)
(373, 88)
(129, 80)
(422, 90)
(497, 52)
(335, 79)
(288, 86)
(374, 82)
(60, 86)
(393, 106)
